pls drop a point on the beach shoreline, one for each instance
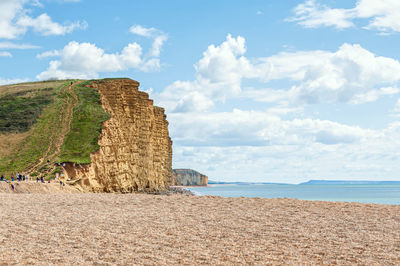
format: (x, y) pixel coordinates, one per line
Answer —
(142, 229)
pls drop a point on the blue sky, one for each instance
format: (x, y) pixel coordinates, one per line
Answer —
(274, 91)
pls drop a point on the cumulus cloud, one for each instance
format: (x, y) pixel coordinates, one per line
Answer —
(273, 136)
(86, 60)
(258, 146)
(15, 21)
(259, 128)
(342, 76)
(382, 14)
(218, 76)
(351, 74)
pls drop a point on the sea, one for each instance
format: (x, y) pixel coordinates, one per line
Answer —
(365, 193)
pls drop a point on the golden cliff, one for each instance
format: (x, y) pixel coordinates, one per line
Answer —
(135, 148)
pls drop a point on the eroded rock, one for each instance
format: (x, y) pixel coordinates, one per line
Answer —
(188, 177)
(135, 148)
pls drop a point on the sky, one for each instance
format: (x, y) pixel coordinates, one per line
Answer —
(255, 90)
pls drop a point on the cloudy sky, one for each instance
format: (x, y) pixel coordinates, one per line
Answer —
(256, 90)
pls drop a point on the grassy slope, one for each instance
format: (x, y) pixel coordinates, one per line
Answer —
(78, 143)
(37, 142)
(86, 126)
(20, 110)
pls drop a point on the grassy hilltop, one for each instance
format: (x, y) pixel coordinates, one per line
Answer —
(59, 121)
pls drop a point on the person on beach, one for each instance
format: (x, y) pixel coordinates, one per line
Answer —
(2, 178)
(12, 185)
(37, 179)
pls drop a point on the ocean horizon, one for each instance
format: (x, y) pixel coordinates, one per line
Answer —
(363, 193)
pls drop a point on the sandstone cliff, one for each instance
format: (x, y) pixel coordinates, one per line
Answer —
(188, 177)
(135, 148)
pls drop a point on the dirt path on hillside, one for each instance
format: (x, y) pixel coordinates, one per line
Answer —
(64, 120)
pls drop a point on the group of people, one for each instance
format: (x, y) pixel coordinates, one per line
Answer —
(20, 178)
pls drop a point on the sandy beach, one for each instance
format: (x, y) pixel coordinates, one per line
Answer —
(166, 230)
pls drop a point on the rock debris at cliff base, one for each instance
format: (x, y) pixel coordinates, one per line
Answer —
(167, 230)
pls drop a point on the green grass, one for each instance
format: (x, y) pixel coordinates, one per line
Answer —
(37, 143)
(19, 111)
(31, 109)
(86, 126)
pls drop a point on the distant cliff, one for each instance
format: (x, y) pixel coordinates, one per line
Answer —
(188, 177)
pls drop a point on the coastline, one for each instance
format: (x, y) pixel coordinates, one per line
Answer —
(160, 229)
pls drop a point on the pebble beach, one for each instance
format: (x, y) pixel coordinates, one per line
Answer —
(145, 229)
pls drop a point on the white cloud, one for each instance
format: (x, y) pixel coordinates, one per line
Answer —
(260, 146)
(12, 81)
(15, 21)
(374, 95)
(382, 14)
(5, 54)
(143, 31)
(271, 138)
(350, 74)
(157, 45)
(9, 45)
(158, 36)
(86, 60)
(258, 128)
(311, 15)
(53, 53)
(218, 76)
(45, 26)
(397, 106)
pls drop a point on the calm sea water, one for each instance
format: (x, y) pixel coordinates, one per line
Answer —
(383, 194)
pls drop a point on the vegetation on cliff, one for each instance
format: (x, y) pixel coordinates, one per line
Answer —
(48, 124)
(20, 110)
(86, 126)
(48, 121)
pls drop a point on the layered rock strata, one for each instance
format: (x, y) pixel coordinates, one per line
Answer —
(135, 148)
(188, 177)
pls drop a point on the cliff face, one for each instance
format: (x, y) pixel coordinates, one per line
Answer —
(135, 148)
(187, 177)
